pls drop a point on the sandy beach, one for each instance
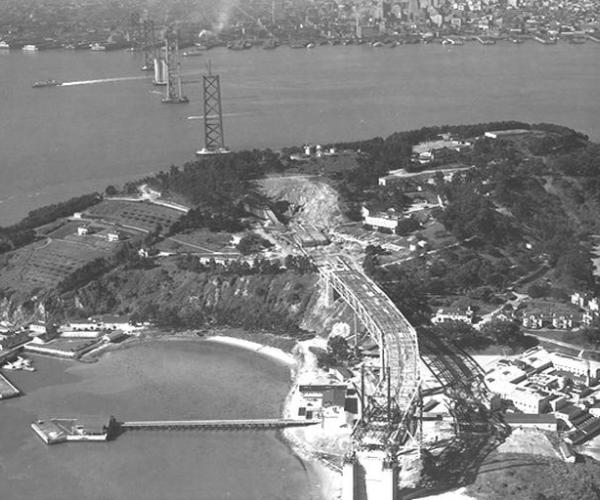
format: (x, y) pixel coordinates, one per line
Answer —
(271, 352)
(330, 480)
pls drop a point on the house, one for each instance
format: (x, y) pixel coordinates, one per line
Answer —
(562, 322)
(387, 220)
(112, 322)
(533, 321)
(449, 315)
(80, 334)
(595, 409)
(82, 231)
(37, 327)
(543, 422)
(112, 237)
(95, 426)
(81, 325)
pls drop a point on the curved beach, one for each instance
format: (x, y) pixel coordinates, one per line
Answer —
(159, 380)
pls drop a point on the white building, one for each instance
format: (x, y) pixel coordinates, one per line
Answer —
(528, 400)
(448, 315)
(575, 365)
(381, 220)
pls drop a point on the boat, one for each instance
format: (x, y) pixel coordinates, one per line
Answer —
(30, 48)
(96, 47)
(310, 45)
(515, 40)
(211, 152)
(4, 45)
(193, 51)
(47, 83)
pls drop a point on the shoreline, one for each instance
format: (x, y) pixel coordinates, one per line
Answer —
(271, 352)
(329, 481)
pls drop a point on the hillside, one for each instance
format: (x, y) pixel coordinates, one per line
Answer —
(491, 214)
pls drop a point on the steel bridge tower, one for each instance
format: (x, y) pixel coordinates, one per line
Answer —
(173, 90)
(148, 44)
(214, 139)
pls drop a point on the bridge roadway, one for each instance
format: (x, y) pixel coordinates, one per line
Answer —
(389, 328)
(265, 423)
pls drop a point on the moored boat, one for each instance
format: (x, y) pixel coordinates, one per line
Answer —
(47, 83)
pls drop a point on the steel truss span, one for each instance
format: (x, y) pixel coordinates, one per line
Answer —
(392, 423)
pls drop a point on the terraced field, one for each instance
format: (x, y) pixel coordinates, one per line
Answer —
(140, 215)
(42, 265)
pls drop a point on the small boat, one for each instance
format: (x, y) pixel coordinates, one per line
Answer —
(193, 51)
(4, 45)
(30, 48)
(211, 152)
(46, 83)
(96, 47)
(310, 45)
(515, 40)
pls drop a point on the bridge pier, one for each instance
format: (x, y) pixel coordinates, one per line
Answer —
(350, 478)
(381, 476)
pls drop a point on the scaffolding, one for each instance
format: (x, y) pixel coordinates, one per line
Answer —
(392, 399)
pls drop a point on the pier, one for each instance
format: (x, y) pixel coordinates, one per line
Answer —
(7, 389)
(247, 424)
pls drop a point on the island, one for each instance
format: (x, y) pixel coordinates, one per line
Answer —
(434, 294)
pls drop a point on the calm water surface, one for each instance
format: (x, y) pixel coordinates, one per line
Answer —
(57, 142)
(160, 380)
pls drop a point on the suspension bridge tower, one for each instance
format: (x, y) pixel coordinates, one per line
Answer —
(173, 89)
(148, 44)
(214, 139)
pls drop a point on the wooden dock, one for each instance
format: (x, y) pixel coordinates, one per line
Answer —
(247, 424)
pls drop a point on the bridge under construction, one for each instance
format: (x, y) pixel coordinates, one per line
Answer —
(388, 427)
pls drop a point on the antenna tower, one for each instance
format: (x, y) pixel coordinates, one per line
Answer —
(173, 90)
(214, 140)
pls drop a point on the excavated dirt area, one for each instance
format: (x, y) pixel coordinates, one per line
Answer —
(311, 200)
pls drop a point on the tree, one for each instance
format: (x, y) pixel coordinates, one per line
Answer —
(592, 332)
(503, 332)
(252, 243)
(110, 190)
(338, 350)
